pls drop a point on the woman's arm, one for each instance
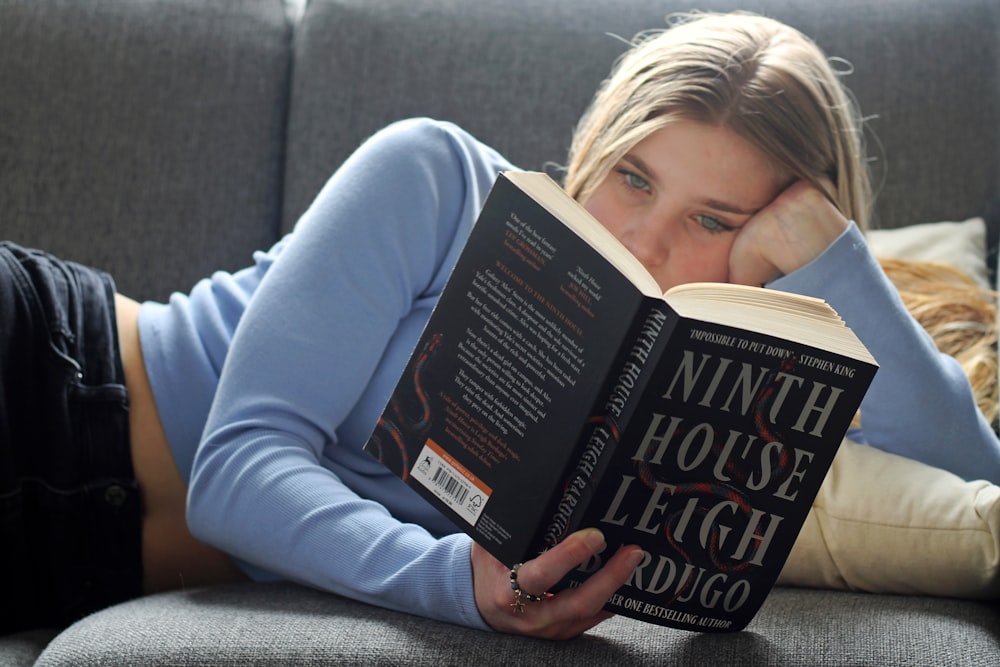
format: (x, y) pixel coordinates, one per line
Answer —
(280, 480)
(275, 481)
(920, 404)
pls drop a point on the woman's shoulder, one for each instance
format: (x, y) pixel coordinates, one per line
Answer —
(432, 137)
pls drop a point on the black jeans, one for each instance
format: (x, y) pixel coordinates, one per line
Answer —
(70, 510)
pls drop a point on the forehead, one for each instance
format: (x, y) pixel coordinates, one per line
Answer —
(708, 157)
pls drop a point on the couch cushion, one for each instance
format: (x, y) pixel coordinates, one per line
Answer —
(518, 74)
(22, 648)
(962, 245)
(283, 624)
(143, 137)
(887, 524)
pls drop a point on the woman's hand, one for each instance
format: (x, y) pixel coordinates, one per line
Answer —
(562, 616)
(785, 235)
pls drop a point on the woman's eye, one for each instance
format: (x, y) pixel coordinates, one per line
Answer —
(712, 225)
(634, 180)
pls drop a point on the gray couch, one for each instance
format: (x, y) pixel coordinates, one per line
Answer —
(164, 139)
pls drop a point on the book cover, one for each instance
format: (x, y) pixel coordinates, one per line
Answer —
(508, 368)
(716, 468)
(549, 393)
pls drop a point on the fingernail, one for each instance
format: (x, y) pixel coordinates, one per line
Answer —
(594, 539)
(635, 557)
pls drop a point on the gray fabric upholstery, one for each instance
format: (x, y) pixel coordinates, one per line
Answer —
(22, 649)
(288, 625)
(518, 73)
(143, 137)
(164, 139)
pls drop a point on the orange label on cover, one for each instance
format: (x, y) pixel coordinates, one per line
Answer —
(451, 482)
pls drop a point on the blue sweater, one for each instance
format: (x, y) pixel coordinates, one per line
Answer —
(270, 441)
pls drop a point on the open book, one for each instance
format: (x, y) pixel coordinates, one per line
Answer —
(554, 388)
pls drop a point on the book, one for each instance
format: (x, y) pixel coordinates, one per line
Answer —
(555, 387)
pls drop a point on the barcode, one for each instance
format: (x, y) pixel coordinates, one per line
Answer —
(450, 484)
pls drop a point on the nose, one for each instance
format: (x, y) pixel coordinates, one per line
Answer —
(648, 239)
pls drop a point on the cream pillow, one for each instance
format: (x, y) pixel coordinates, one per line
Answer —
(961, 244)
(886, 524)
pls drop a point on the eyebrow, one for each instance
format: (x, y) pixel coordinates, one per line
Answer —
(710, 203)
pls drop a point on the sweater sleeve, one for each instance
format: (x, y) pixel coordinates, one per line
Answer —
(920, 404)
(279, 480)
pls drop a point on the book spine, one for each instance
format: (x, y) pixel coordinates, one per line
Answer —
(602, 432)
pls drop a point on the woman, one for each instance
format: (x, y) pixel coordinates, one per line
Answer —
(722, 150)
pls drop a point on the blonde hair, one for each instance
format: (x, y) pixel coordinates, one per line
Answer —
(765, 81)
(959, 315)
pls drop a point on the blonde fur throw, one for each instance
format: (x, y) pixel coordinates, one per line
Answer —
(960, 316)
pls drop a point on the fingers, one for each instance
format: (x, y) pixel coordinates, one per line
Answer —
(748, 266)
(572, 612)
(561, 616)
(548, 569)
(786, 235)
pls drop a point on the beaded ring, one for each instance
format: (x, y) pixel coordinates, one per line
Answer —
(521, 595)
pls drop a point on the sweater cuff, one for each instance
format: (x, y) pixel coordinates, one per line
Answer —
(462, 584)
(815, 277)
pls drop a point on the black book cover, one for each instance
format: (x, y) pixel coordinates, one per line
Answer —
(730, 439)
(484, 421)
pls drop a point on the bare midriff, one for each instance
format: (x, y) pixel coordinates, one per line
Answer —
(171, 556)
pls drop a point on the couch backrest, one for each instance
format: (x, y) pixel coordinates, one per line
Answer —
(146, 138)
(518, 73)
(164, 139)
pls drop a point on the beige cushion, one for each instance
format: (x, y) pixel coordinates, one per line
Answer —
(961, 244)
(886, 524)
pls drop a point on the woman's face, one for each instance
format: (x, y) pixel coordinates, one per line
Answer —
(678, 199)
